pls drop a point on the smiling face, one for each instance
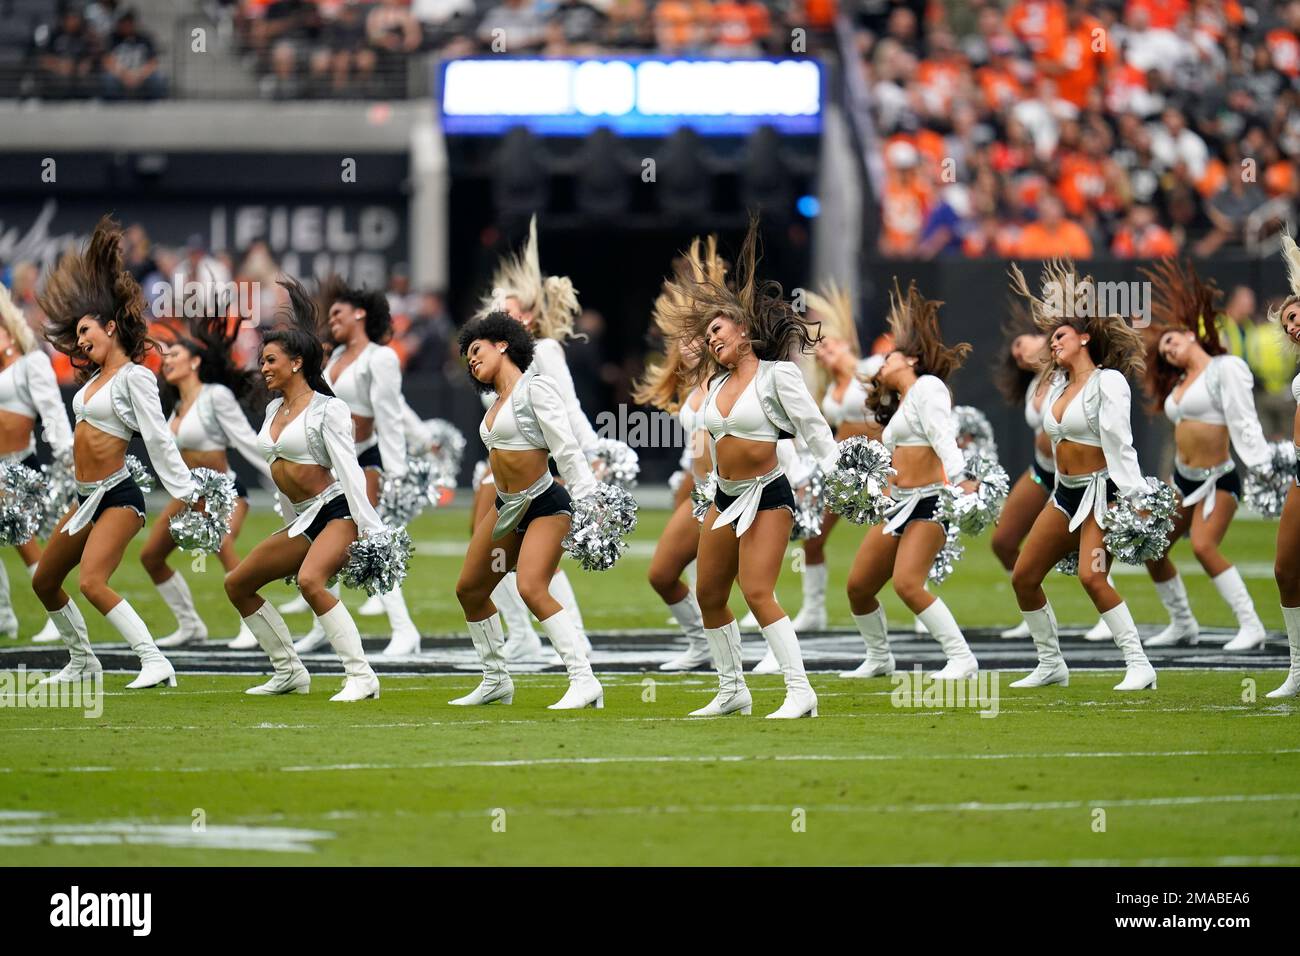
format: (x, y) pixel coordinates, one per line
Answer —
(1067, 345)
(897, 370)
(179, 363)
(1025, 350)
(727, 341)
(95, 341)
(484, 358)
(833, 353)
(278, 367)
(1291, 322)
(1176, 347)
(343, 320)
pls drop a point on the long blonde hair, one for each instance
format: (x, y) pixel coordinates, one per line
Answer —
(835, 307)
(552, 300)
(663, 384)
(1112, 342)
(15, 322)
(1291, 256)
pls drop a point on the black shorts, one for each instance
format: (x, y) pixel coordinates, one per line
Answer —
(1041, 475)
(334, 509)
(370, 458)
(924, 511)
(1231, 483)
(241, 490)
(125, 495)
(31, 462)
(776, 494)
(554, 500)
(1069, 499)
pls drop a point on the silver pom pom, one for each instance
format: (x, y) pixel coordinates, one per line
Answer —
(1265, 488)
(948, 556)
(1068, 564)
(809, 506)
(141, 475)
(22, 493)
(974, 433)
(481, 469)
(377, 561)
(702, 496)
(450, 443)
(618, 464)
(975, 512)
(601, 523)
(425, 485)
(1134, 538)
(675, 480)
(204, 530)
(59, 496)
(858, 487)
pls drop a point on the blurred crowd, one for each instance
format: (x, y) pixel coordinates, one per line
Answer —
(96, 49)
(1034, 128)
(349, 47)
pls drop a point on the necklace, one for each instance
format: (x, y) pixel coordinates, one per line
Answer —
(288, 405)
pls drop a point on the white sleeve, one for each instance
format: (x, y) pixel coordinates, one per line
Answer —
(1114, 420)
(939, 425)
(792, 393)
(548, 356)
(386, 401)
(548, 406)
(337, 431)
(44, 389)
(1236, 391)
(234, 425)
(418, 439)
(142, 388)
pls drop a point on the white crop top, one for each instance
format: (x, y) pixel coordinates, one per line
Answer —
(1196, 405)
(504, 433)
(1295, 389)
(1073, 424)
(925, 419)
(692, 421)
(746, 420)
(1100, 415)
(128, 403)
(851, 408)
(1223, 394)
(28, 388)
(292, 443)
(371, 386)
(1034, 413)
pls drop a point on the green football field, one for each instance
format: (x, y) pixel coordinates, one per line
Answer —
(1204, 770)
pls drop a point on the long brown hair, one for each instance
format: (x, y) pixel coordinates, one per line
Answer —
(914, 323)
(776, 332)
(1012, 380)
(93, 282)
(663, 384)
(1112, 341)
(1181, 301)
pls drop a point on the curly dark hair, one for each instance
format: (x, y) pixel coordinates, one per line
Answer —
(93, 282)
(297, 335)
(498, 327)
(1181, 301)
(379, 320)
(211, 339)
(914, 322)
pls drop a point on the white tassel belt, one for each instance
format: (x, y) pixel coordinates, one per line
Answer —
(906, 500)
(1094, 497)
(306, 511)
(94, 492)
(1208, 477)
(748, 492)
(515, 503)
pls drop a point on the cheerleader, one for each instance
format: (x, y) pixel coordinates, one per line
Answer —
(663, 388)
(756, 396)
(1086, 414)
(1207, 394)
(844, 403)
(28, 390)
(547, 307)
(206, 421)
(1286, 569)
(910, 398)
(526, 424)
(307, 439)
(95, 314)
(368, 377)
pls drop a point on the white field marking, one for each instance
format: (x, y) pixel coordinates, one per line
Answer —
(684, 759)
(1269, 860)
(22, 814)
(172, 836)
